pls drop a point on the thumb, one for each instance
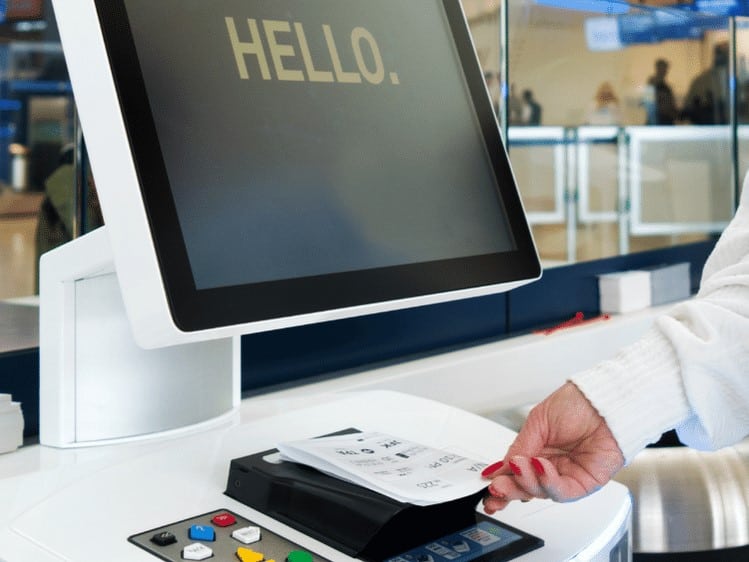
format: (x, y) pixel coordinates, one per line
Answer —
(532, 438)
(525, 444)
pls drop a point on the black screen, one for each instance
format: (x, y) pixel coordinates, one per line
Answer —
(306, 138)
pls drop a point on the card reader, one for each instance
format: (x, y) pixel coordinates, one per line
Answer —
(368, 525)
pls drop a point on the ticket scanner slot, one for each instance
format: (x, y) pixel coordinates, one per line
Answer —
(366, 524)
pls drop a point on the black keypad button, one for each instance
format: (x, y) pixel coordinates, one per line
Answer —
(165, 538)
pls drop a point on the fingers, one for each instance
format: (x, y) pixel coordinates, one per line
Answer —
(539, 478)
(509, 483)
(501, 492)
(524, 478)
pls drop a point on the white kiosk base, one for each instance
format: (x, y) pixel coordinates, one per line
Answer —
(82, 504)
(76, 509)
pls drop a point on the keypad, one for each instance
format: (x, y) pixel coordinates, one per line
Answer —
(220, 535)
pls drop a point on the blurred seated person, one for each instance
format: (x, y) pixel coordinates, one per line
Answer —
(605, 110)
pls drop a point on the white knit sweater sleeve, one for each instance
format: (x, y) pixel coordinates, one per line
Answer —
(691, 370)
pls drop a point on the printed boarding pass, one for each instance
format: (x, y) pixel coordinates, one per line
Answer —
(403, 470)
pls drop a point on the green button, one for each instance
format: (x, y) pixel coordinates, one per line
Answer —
(299, 556)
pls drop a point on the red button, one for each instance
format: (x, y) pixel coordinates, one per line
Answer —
(224, 519)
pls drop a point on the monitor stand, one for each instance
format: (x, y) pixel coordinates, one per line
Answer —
(97, 386)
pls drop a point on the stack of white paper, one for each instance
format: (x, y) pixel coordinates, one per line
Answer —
(669, 283)
(403, 470)
(624, 291)
(11, 424)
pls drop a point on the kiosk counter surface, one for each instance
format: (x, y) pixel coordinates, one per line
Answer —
(82, 504)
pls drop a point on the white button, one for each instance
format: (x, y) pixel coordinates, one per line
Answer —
(247, 535)
(196, 551)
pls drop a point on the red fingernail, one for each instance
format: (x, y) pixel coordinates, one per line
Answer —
(492, 468)
(537, 466)
(515, 469)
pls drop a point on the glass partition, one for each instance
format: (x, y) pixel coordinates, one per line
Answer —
(600, 188)
(540, 164)
(622, 124)
(620, 119)
(44, 200)
(36, 130)
(680, 180)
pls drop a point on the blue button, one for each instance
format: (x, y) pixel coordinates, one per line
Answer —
(202, 533)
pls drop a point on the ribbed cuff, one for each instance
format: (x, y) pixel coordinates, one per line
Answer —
(639, 393)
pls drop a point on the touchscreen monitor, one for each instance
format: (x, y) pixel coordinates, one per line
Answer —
(296, 157)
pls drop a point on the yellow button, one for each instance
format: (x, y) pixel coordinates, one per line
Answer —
(249, 555)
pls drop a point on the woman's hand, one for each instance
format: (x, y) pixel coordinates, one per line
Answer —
(564, 451)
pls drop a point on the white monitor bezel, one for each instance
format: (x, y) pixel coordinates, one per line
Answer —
(136, 258)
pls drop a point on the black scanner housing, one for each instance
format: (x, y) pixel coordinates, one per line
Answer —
(350, 518)
(345, 516)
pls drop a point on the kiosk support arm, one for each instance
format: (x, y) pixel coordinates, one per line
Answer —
(97, 386)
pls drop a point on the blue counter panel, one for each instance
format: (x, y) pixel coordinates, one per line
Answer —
(286, 355)
(19, 376)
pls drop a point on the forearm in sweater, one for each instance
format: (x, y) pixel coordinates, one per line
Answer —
(691, 370)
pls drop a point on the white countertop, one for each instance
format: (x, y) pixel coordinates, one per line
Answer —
(75, 504)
